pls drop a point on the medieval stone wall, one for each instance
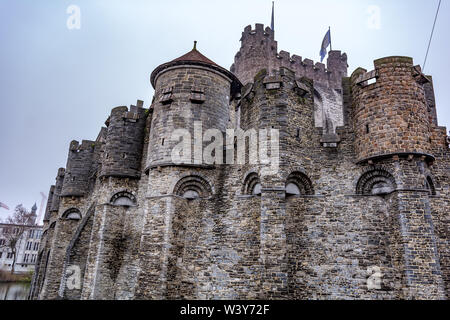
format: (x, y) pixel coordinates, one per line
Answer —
(343, 208)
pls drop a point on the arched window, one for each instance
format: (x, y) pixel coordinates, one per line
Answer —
(298, 184)
(430, 186)
(72, 214)
(252, 185)
(123, 198)
(193, 187)
(376, 182)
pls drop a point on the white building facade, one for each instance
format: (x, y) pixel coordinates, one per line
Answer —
(27, 248)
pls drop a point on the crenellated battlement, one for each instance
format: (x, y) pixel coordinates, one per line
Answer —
(85, 145)
(124, 141)
(135, 112)
(259, 50)
(79, 163)
(54, 207)
(259, 33)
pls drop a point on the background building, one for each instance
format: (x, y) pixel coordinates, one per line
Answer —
(27, 247)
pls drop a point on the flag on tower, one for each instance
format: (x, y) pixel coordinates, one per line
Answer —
(325, 43)
(272, 24)
(2, 205)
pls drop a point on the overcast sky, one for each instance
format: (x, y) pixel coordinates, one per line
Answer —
(59, 84)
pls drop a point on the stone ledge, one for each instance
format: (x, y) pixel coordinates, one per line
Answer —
(176, 196)
(171, 164)
(428, 157)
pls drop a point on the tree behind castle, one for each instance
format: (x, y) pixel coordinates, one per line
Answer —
(19, 222)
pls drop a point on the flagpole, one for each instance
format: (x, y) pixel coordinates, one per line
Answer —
(331, 46)
(272, 23)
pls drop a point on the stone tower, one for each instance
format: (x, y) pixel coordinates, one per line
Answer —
(124, 142)
(259, 51)
(393, 135)
(192, 93)
(391, 115)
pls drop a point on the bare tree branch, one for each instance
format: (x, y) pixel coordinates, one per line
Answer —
(19, 222)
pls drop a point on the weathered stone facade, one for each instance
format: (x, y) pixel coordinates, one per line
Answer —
(358, 209)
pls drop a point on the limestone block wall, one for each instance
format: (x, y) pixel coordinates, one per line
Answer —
(440, 202)
(340, 239)
(76, 256)
(198, 249)
(63, 233)
(43, 262)
(422, 274)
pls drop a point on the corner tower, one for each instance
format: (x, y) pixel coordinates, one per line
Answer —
(393, 136)
(391, 115)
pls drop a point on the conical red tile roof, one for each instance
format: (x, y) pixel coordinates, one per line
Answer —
(195, 55)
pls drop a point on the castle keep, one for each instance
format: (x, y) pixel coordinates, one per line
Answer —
(358, 208)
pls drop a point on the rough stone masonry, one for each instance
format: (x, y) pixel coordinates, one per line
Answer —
(359, 208)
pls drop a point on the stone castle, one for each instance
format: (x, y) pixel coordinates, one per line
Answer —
(358, 208)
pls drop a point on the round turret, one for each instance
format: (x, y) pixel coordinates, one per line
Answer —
(124, 142)
(190, 89)
(390, 114)
(79, 163)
